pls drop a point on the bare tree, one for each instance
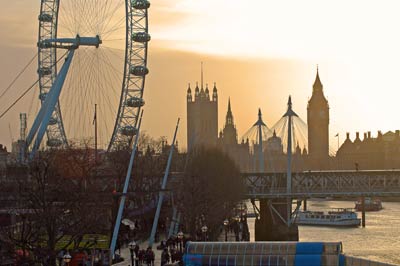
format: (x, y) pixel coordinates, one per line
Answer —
(211, 188)
(58, 203)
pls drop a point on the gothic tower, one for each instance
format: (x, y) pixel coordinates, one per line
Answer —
(229, 131)
(318, 126)
(202, 117)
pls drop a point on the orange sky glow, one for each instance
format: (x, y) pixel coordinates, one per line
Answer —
(258, 52)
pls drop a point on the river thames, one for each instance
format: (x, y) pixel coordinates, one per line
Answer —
(379, 240)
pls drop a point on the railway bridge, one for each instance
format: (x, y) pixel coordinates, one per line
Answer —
(275, 211)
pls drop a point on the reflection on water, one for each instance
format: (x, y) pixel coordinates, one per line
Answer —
(379, 240)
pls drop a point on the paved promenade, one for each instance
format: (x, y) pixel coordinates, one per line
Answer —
(125, 253)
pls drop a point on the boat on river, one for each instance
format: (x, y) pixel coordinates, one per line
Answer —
(336, 217)
(369, 205)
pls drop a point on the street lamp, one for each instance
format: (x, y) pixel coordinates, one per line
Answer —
(67, 258)
(132, 246)
(180, 239)
(226, 222)
(204, 229)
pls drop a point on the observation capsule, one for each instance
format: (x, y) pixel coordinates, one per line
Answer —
(53, 121)
(141, 37)
(44, 44)
(54, 143)
(135, 102)
(128, 131)
(140, 4)
(45, 17)
(140, 71)
(43, 96)
(44, 71)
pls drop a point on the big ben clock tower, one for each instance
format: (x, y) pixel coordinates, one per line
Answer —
(318, 126)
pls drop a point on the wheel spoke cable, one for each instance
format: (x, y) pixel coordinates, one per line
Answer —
(19, 75)
(25, 92)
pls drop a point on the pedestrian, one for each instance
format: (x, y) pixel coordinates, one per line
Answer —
(173, 255)
(142, 254)
(165, 257)
(136, 251)
(149, 257)
(60, 257)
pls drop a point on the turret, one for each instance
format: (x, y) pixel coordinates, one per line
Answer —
(298, 149)
(197, 92)
(215, 94)
(357, 140)
(230, 133)
(202, 94)
(229, 115)
(207, 93)
(189, 94)
(304, 150)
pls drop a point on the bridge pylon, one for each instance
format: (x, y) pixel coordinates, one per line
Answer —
(272, 224)
(275, 223)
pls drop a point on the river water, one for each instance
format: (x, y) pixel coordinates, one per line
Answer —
(378, 241)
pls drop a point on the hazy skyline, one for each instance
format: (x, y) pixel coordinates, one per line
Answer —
(258, 53)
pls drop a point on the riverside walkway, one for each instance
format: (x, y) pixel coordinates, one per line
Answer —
(126, 254)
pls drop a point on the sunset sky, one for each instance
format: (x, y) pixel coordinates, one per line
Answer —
(258, 52)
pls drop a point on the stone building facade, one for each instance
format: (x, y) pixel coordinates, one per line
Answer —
(202, 117)
(368, 153)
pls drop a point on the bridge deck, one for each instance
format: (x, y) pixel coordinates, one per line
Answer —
(324, 184)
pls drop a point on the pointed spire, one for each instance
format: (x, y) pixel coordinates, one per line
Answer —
(207, 93)
(317, 83)
(189, 94)
(201, 74)
(197, 93)
(229, 115)
(274, 135)
(215, 94)
(298, 149)
(259, 121)
(317, 98)
(290, 111)
(202, 93)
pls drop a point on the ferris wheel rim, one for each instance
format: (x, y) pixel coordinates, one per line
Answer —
(48, 28)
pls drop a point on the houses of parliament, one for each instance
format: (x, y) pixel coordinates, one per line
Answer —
(381, 152)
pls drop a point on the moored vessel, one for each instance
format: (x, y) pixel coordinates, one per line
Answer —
(336, 217)
(369, 205)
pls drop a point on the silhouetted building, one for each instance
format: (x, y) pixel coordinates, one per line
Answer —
(276, 159)
(228, 142)
(381, 152)
(202, 117)
(318, 127)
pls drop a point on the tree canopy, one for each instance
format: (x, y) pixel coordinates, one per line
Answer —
(211, 188)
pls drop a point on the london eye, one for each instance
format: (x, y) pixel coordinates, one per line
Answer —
(90, 52)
